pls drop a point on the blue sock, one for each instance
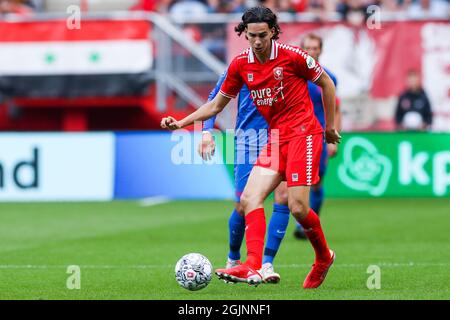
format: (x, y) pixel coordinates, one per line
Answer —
(277, 229)
(236, 228)
(316, 199)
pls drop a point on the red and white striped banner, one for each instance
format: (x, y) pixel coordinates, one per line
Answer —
(51, 49)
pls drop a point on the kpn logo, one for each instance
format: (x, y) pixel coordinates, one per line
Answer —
(405, 167)
(364, 168)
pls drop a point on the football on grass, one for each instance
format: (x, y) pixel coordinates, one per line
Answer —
(193, 271)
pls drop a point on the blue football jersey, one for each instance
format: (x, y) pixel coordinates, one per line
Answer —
(316, 97)
(248, 117)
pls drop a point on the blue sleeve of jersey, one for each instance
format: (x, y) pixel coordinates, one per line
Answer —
(333, 77)
(209, 124)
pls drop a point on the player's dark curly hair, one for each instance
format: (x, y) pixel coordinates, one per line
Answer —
(258, 15)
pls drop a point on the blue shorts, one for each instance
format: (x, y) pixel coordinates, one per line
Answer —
(323, 161)
(241, 174)
(243, 165)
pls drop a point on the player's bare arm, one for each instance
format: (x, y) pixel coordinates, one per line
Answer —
(338, 116)
(332, 148)
(329, 103)
(206, 111)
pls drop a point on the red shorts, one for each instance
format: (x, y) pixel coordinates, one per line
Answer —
(297, 160)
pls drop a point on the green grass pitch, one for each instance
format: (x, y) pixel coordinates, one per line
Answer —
(128, 251)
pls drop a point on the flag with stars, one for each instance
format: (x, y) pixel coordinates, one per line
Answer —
(102, 58)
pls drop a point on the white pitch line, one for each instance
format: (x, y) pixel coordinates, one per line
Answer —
(358, 265)
(153, 201)
(30, 266)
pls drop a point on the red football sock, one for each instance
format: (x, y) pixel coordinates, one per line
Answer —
(313, 230)
(255, 230)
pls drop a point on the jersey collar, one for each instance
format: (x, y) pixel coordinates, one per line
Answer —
(273, 53)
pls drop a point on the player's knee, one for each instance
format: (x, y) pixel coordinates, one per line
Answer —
(246, 200)
(249, 202)
(239, 208)
(281, 197)
(298, 209)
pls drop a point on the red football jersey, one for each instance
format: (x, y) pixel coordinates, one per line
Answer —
(278, 88)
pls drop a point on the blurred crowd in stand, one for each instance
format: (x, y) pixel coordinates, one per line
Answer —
(410, 8)
(321, 8)
(18, 7)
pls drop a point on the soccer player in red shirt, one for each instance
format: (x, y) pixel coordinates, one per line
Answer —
(277, 76)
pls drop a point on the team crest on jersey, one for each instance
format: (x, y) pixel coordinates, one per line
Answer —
(278, 73)
(310, 62)
(250, 77)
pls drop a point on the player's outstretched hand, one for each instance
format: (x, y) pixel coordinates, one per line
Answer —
(332, 136)
(207, 146)
(170, 123)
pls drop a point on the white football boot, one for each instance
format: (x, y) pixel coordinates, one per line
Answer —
(268, 274)
(230, 264)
